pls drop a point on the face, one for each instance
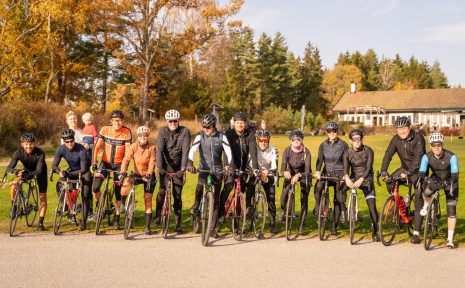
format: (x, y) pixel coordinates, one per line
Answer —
(28, 146)
(87, 122)
(142, 138)
(263, 143)
(69, 143)
(209, 130)
(356, 141)
(172, 124)
(239, 126)
(72, 121)
(332, 134)
(403, 132)
(436, 148)
(296, 142)
(116, 123)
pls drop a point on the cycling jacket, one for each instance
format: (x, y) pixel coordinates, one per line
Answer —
(144, 159)
(359, 162)
(241, 147)
(34, 163)
(77, 159)
(172, 148)
(443, 167)
(332, 154)
(211, 151)
(409, 150)
(114, 144)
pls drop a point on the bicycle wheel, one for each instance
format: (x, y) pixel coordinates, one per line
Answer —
(110, 207)
(59, 211)
(238, 221)
(15, 211)
(353, 202)
(130, 208)
(389, 221)
(207, 217)
(101, 210)
(431, 222)
(32, 205)
(166, 214)
(259, 215)
(323, 214)
(290, 211)
(410, 212)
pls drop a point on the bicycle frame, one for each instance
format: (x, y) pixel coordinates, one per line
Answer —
(353, 192)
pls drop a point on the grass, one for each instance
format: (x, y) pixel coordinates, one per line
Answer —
(363, 228)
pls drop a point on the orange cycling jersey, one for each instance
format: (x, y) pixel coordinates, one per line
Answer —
(144, 159)
(114, 144)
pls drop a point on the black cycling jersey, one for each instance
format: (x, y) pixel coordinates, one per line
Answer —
(34, 163)
(296, 162)
(172, 148)
(77, 159)
(331, 154)
(211, 151)
(410, 151)
(241, 147)
(441, 167)
(360, 162)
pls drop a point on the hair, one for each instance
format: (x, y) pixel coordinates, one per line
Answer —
(87, 116)
(70, 113)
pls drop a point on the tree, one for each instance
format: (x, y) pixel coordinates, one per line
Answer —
(311, 73)
(439, 80)
(387, 75)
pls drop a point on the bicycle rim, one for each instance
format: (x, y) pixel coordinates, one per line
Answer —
(100, 211)
(289, 214)
(353, 201)
(131, 207)
(238, 223)
(59, 211)
(33, 200)
(259, 215)
(323, 214)
(207, 217)
(109, 208)
(166, 214)
(15, 212)
(430, 224)
(388, 221)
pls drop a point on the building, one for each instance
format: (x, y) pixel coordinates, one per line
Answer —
(435, 108)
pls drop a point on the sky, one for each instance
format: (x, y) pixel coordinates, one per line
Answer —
(429, 30)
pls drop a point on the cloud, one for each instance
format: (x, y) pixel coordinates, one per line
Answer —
(263, 20)
(449, 33)
(377, 7)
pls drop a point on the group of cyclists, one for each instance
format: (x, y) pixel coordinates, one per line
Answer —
(244, 152)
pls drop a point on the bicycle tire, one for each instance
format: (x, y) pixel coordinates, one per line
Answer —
(110, 208)
(352, 219)
(239, 214)
(101, 210)
(323, 214)
(290, 212)
(15, 212)
(430, 223)
(130, 208)
(166, 214)
(259, 215)
(207, 217)
(33, 200)
(59, 211)
(389, 221)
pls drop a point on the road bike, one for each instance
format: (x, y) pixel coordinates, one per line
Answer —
(105, 204)
(325, 208)
(235, 206)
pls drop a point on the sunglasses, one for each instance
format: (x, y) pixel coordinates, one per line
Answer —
(331, 131)
(207, 127)
(69, 141)
(116, 120)
(172, 121)
(356, 139)
(262, 133)
(142, 135)
(436, 145)
(296, 139)
(263, 140)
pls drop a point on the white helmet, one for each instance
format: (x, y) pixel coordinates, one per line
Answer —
(143, 130)
(436, 137)
(172, 115)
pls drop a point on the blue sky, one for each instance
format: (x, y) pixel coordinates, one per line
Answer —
(429, 30)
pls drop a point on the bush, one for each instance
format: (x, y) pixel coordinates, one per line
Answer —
(278, 120)
(450, 131)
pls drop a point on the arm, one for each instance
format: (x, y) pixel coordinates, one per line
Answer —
(419, 152)
(40, 165)
(274, 160)
(160, 146)
(454, 168)
(369, 164)
(424, 164)
(284, 160)
(56, 160)
(98, 145)
(152, 161)
(185, 148)
(195, 145)
(83, 163)
(253, 151)
(227, 149)
(13, 162)
(346, 163)
(388, 155)
(321, 158)
(128, 155)
(308, 163)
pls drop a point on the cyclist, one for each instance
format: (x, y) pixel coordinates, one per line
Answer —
(359, 160)
(78, 161)
(211, 143)
(33, 160)
(267, 157)
(243, 143)
(444, 175)
(410, 147)
(172, 147)
(72, 121)
(331, 153)
(115, 139)
(296, 167)
(144, 165)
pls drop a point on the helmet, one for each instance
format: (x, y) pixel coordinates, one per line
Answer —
(28, 137)
(402, 121)
(436, 137)
(331, 125)
(117, 114)
(88, 140)
(209, 120)
(355, 132)
(240, 116)
(263, 133)
(296, 134)
(172, 115)
(143, 130)
(67, 134)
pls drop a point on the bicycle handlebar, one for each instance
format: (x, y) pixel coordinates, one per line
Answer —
(391, 178)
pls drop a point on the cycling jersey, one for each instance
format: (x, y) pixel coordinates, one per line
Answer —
(360, 162)
(77, 159)
(267, 159)
(241, 147)
(113, 142)
(443, 167)
(34, 163)
(172, 148)
(410, 151)
(211, 151)
(331, 153)
(144, 159)
(296, 162)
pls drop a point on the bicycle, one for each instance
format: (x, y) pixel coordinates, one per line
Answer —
(167, 209)
(105, 205)
(237, 203)
(352, 212)
(25, 202)
(325, 208)
(130, 205)
(389, 220)
(67, 201)
(259, 206)
(431, 219)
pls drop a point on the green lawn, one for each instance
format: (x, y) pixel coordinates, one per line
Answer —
(378, 143)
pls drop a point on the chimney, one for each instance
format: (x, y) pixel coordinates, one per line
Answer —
(353, 87)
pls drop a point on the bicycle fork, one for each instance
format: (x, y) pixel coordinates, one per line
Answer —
(353, 193)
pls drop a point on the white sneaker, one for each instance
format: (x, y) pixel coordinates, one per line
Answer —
(424, 210)
(450, 245)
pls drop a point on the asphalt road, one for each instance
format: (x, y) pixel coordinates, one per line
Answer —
(82, 260)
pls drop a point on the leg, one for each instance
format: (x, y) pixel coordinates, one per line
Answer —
(160, 198)
(270, 198)
(319, 186)
(304, 191)
(228, 187)
(85, 198)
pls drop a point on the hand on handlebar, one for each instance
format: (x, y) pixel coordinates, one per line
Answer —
(357, 183)
(317, 175)
(295, 178)
(287, 175)
(349, 182)
(403, 175)
(191, 169)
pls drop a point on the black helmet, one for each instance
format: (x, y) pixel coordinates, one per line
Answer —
(240, 116)
(262, 133)
(402, 121)
(209, 120)
(28, 137)
(117, 114)
(358, 132)
(296, 133)
(67, 134)
(331, 125)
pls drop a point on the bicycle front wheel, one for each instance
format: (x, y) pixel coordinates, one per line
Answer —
(353, 202)
(166, 214)
(323, 214)
(238, 221)
(259, 215)
(32, 206)
(130, 208)
(15, 212)
(290, 212)
(206, 215)
(101, 210)
(389, 221)
(431, 222)
(59, 211)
